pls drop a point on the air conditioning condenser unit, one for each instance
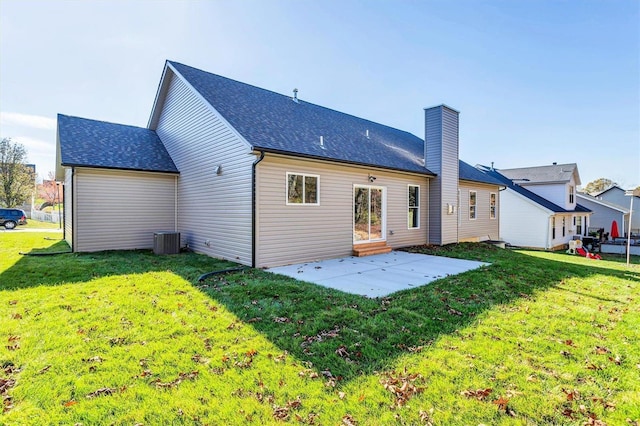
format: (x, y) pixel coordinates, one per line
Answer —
(166, 242)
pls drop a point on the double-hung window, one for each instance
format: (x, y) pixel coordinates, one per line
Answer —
(579, 225)
(473, 196)
(414, 206)
(303, 189)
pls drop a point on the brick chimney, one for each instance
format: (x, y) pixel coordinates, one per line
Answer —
(441, 157)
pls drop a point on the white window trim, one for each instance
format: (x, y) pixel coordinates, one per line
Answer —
(304, 175)
(495, 207)
(475, 205)
(417, 207)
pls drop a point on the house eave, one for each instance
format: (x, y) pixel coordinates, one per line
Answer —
(257, 149)
(89, 166)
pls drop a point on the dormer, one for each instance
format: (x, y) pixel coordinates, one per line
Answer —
(557, 182)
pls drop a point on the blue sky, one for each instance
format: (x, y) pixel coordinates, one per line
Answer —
(535, 81)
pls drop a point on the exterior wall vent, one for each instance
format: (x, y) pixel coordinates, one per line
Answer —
(166, 242)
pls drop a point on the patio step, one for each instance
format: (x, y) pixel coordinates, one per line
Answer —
(368, 249)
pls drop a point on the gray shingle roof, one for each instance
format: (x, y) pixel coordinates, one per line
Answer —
(274, 122)
(92, 143)
(532, 195)
(542, 174)
(470, 173)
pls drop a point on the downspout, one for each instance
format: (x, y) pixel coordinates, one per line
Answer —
(253, 209)
(64, 216)
(175, 205)
(73, 211)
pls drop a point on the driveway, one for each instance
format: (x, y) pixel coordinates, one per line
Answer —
(378, 275)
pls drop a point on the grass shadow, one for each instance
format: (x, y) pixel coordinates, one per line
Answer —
(345, 335)
(342, 336)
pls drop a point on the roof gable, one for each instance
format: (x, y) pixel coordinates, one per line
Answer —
(555, 173)
(276, 123)
(90, 143)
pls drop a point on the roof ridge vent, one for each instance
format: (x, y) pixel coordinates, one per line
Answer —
(295, 95)
(367, 134)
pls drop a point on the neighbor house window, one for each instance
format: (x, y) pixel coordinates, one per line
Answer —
(492, 205)
(302, 189)
(553, 228)
(472, 204)
(414, 206)
(563, 226)
(579, 225)
(571, 194)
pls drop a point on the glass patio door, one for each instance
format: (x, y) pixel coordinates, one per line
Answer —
(368, 214)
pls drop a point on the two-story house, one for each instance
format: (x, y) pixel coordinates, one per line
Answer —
(539, 208)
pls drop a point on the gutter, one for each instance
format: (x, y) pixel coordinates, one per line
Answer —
(253, 208)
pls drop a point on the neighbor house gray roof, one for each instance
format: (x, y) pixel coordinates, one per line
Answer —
(532, 195)
(555, 173)
(601, 202)
(91, 143)
(276, 123)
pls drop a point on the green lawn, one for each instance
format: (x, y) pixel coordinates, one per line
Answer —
(36, 224)
(132, 338)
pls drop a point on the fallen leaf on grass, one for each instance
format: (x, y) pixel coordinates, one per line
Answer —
(13, 347)
(181, 377)
(569, 342)
(571, 395)
(592, 366)
(600, 350)
(70, 403)
(502, 404)
(281, 320)
(348, 420)
(478, 394)
(16, 316)
(94, 359)
(102, 392)
(402, 386)
(44, 370)
(342, 351)
(282, 413)
(617, 360)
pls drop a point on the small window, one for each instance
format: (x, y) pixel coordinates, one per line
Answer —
(571, 194)
(492, 205)
(414, 206)
(472, 204)
(302, 189)
(553, 228)
(563, 226)
(578, 225)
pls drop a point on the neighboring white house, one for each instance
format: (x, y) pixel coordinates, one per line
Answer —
(616, 195)
(539, 208)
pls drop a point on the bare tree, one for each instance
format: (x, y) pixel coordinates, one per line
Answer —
(17, 180)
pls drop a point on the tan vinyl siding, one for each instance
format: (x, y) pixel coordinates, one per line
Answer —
(121, 209)
(68, 198)
(214, 211)
(483, 227)
(299, 233)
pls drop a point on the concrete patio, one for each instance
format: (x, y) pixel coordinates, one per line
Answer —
(378, 275)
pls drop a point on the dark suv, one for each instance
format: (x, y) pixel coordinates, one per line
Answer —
(10, 218)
